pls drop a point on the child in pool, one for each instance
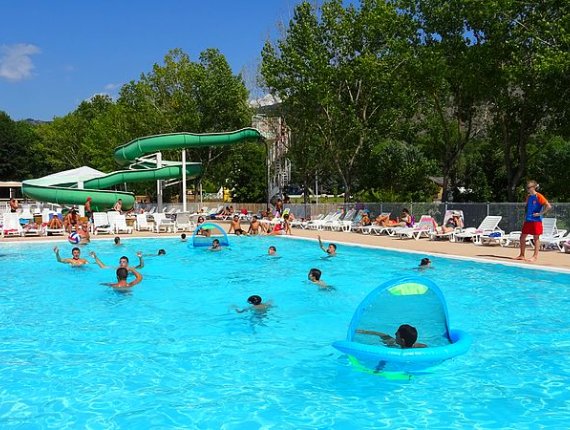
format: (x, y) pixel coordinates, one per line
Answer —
(256, 305)
(406, 337)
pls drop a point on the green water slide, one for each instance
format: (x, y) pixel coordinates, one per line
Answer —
(76, 185)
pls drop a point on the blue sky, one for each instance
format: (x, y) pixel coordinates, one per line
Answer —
(55, 54)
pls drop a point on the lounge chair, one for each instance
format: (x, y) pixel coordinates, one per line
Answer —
(101, 223)
(449, 234)
(318, 224)
(343, 223)
(141, 223)
(424, 227)
(11, 225)
(120, 225)
(489, 226)
(514, 237)
(163, 223)
(304, 224)
(183, 222)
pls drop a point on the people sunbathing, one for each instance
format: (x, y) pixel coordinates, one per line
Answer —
(405, 220)
(453, 222)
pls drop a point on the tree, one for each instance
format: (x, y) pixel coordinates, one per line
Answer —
(339, 70)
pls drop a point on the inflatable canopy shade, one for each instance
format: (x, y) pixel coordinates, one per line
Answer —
(216, 232)
(412, 300)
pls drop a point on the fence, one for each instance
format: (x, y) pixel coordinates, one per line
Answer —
(474, 213)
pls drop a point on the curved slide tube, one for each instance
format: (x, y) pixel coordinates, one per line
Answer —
(127, 154)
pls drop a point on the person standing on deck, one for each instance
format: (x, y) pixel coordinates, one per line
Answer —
(536, 207)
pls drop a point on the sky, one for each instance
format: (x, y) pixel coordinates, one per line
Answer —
(55, 54)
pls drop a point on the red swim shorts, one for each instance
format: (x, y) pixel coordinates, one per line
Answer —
(532, 227)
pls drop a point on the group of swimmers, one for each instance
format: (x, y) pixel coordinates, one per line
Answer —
(405, 336)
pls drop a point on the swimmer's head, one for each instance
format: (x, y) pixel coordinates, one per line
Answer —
(272, 250)
(315, 275)
(215, 243)
(76, 252)
(254, 300)
(122, 274)
(406, 336)
(332, 248)
(124, 261)
(117, 240)
(425, 262)
(183, 236)
(161, 252)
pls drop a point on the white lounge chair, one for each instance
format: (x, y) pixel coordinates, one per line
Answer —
(163, 223)
(424, 227)
(11, 225)
(343, 223)
(101, 223)
(120, 225)
(183, 222)
(489, 226)
(549, 232)
(448, 234)
(141, 223)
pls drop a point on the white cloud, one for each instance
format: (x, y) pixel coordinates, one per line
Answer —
(111, 87)
(15, 61)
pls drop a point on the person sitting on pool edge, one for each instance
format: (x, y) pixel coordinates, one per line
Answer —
(406, 337)
(330, 250)
(122, 274)
(256, 305)
(235, 227)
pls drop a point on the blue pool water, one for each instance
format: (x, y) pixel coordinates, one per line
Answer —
(174, 354)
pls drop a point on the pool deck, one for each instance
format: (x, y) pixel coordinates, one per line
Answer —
(546, 259)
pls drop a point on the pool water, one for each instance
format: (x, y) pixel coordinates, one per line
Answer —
(173, 353)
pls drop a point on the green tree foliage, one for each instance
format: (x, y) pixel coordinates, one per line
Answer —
(19, 158)
(338, 70)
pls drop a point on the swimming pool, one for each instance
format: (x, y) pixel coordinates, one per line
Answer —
(174, 354)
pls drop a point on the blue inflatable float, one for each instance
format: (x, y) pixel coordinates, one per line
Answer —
(412, 300)
(206, 232)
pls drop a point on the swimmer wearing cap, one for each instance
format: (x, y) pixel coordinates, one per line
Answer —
(256, 303)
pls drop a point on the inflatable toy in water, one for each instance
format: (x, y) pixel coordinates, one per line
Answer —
(412, 300)
(74, 238)
(206, 232)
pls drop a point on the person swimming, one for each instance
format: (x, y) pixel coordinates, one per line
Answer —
(256, 303)
(330, 249)
(315, 277)
(425, 263)
(406, 337)
(122, 274)
(117, 240)
(272, 250)
(183, 237)
(161, 252)
(216, 245)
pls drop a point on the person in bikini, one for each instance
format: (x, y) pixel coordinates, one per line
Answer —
(235, 227)
(203, 231)
(406, 337)
(405, 220)
(75, 260)
(71, 220)
(452, 223)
